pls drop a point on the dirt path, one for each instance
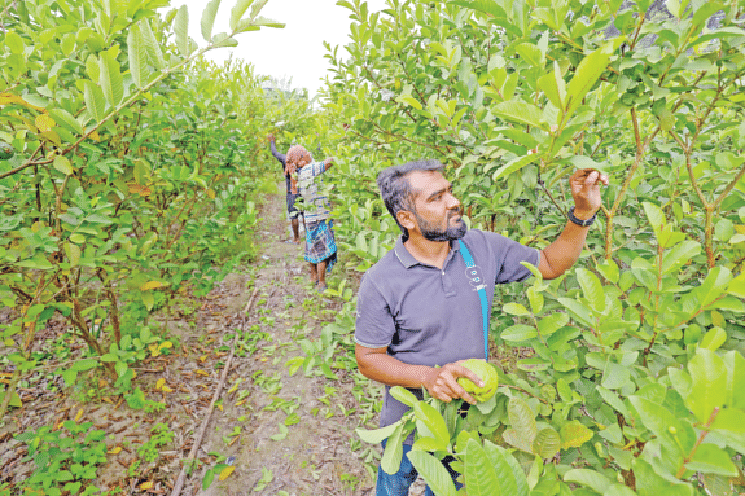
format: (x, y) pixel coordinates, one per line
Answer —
(288, 433)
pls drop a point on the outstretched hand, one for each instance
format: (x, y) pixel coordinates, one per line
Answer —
(585, 185)
(270, 137)
(443, 385)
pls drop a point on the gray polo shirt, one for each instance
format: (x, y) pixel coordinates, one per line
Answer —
(428, 316)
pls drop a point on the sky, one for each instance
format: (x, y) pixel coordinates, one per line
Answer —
(295, 51)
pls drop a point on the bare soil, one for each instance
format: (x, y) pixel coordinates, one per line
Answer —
(284, 434)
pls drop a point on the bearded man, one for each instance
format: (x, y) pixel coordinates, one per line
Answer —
(425, 306)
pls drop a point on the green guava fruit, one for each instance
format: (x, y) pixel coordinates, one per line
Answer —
(486, 373)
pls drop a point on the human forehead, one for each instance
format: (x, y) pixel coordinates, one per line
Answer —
(424, 183)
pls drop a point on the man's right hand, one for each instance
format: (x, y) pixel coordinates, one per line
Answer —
(270, 137)
(442, 383)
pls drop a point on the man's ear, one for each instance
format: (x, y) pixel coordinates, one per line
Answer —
(406, 218)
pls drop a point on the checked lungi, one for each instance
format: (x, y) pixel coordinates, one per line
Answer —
(319, 243)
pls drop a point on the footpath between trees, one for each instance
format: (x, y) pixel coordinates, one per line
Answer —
(283, 423)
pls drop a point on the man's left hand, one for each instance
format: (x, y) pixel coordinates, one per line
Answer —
(585, 185)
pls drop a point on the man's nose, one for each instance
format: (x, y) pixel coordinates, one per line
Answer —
(453, 202)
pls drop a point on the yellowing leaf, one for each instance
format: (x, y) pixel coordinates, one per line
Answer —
(146, 485)
(239, 402)
(115, 451)
(203, 373)
(226, 472)
(166, 389)
(220, 407)
(44, 123)
(7, 98)
(151, 285)
(161, 382)
(79, 415)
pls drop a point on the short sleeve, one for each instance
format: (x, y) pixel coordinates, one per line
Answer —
(510, 255)
(374, 326)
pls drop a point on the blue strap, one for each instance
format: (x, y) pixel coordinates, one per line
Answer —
(468, 259)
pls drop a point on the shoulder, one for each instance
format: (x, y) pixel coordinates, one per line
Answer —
(485, 239)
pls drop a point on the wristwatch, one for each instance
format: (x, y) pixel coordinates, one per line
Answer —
(581, 222)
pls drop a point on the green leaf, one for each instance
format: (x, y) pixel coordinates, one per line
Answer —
(516, 309)
(82, 365)
(715, 284)
(208, 19)
(589, 478)
(553, 86)
(712, 459)
(95, 101)
(656, 217)
(547, 443)
(478, 474)
(435, 424)
(552, 323)
(181, 29)
(514, 165)
(72, 251)
(151, 45)
(615, 376)
(510, 474)
(62, 164)
(14, 41)
(93, 68)
(62, 116)
(649, 483)
(409, 100)
(520, 111)
(434, 472)
(15, 400)
(522, 421)
(518, 333)
(238, 11)
(394, 450)
(588, 72)
(735, 364)
(137, 55)
(709, 386)
(679, 255)
(592, 289)
(404, 395)
(111, 79)
(609, 270)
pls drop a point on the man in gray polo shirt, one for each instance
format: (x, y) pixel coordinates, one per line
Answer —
(419, 313)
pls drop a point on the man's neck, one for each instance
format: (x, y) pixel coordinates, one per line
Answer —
(427, 252)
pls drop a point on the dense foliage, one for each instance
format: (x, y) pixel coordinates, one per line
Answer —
(631, 386)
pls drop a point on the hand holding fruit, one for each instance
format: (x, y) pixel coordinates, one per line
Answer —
(444, 383)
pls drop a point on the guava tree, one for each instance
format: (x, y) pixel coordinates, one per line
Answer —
(630, 364)
(129, 168)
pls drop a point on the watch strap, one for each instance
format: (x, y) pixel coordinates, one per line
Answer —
(581, 222)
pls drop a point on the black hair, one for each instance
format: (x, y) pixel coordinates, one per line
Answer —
(395, 187)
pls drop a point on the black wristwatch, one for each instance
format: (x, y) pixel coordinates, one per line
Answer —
(581, 222)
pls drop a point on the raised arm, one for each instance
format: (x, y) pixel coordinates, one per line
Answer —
(279, 156)
(560, 255)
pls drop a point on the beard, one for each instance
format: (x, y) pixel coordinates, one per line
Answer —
(432, 233)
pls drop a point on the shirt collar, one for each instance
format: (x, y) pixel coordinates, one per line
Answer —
(408, 260)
